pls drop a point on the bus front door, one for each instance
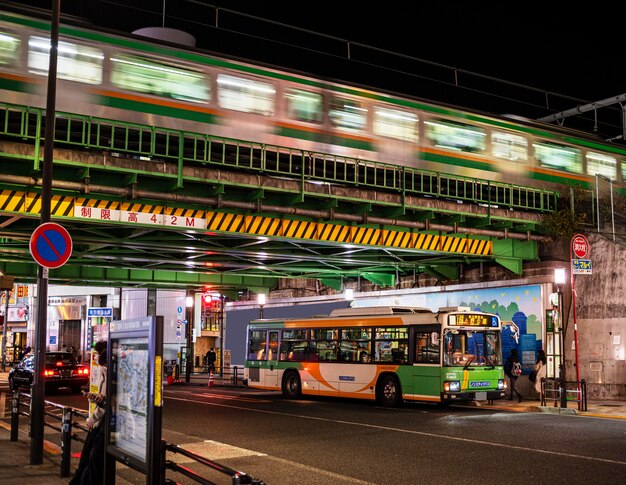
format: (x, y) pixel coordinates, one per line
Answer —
(273, 377)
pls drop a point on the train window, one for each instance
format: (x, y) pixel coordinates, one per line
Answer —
(561, 157)
(150, 76)
(509, 146)
(348, 114)
(601, 164)
(397, 124)
(245, 95)
(304, 106)
(9, 49)
(75, 62)
(455, 136)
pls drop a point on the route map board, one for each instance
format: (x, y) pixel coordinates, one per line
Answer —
(135, 397)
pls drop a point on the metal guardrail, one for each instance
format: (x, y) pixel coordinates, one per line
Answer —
(552, 391)
(186, 148)
(238, 478)
(68, 424)
(232, 376)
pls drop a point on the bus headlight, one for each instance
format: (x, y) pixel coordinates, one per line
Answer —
(451, 386)
(501, 384)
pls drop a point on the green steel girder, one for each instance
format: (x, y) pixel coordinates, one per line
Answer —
(443, 272)
(511, 252)
(380, 279)
(334, 283)
(75, 274)
(450, 219)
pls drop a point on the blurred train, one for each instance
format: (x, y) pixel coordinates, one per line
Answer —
(127, 78)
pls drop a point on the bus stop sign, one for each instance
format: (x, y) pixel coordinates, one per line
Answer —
(51, 245)
(580, 246)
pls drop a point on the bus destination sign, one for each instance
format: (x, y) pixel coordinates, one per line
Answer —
(473, 320)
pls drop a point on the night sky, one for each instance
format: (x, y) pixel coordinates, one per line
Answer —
(576, 54)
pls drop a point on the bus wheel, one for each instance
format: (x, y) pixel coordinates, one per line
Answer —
(388, 392)
(292, 388)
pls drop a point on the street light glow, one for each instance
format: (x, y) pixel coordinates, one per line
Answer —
(261, 298)
(559, 276)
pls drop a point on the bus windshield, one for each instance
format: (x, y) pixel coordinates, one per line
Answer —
(470, 348)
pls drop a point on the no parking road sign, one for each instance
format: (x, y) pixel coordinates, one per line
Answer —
(51, 245)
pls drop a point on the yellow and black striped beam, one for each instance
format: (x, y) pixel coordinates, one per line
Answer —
(322, 231)
(63, 206)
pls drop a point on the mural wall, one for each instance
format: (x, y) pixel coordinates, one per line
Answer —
(520, 305)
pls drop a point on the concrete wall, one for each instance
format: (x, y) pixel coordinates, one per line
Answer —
(601, 322)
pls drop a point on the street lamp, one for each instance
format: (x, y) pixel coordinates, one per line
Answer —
(348, 294)
(559, 281)
(261, 297)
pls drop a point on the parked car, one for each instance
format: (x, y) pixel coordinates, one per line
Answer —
(61, 369)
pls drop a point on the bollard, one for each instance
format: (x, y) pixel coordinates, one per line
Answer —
(210, 379)
(235, 378)
(66, 442)
(15, 414)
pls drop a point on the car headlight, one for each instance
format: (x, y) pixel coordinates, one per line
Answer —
(501, 384)
(451, 386)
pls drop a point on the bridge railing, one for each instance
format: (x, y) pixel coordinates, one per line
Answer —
(186, 148)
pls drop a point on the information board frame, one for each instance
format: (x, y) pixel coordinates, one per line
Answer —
(135, 350)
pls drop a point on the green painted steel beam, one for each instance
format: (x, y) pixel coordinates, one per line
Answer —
(515, 248)
(334, 283)
(512, 264)
(380, 279)
(443, 271)
(74, 274)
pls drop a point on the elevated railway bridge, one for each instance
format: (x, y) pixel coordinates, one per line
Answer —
(157, 207)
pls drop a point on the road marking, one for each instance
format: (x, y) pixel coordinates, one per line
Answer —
(226, 397)
(212, 450)
(216, 451)
(420, 433)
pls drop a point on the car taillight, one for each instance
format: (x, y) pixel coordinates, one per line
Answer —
(48, 373)
(84, 371)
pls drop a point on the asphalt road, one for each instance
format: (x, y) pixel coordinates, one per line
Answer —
(331, 441)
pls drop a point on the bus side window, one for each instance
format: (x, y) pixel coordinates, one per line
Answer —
(425, 350)
(256, 346)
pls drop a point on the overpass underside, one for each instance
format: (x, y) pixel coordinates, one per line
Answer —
(241, 216)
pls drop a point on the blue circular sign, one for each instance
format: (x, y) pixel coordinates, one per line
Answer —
(51, 245)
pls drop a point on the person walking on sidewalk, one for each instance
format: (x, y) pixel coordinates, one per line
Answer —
(211, 357)
(513, 369)
(540, 372)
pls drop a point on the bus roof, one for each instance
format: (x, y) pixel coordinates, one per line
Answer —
(376, 310)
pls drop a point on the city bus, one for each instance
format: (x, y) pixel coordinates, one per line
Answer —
(387, 354)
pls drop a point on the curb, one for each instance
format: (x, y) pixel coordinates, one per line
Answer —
(553, 410)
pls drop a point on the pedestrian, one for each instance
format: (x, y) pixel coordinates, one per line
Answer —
(211, 357)
(539, 372)
(513, 369)
(24, 353)
(90, 470)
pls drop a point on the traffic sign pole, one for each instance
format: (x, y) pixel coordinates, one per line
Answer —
(38, 390)
(579, 247)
